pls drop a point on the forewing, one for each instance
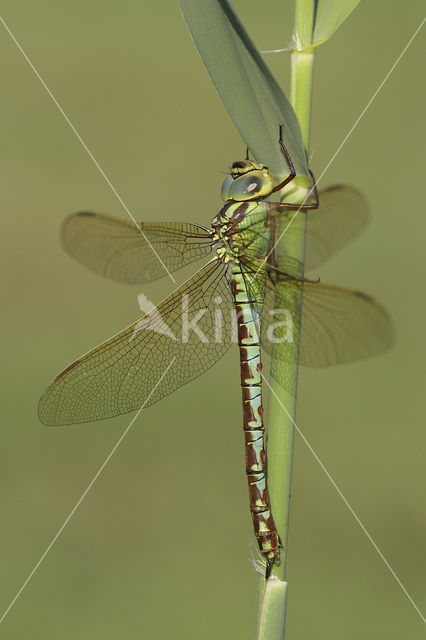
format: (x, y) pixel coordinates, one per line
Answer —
(342, 215)
(337, 324)
(128, 371)
(123, 251)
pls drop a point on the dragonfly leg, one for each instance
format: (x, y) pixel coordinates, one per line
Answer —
(289, 162)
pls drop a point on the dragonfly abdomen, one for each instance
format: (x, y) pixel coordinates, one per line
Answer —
(255, 454)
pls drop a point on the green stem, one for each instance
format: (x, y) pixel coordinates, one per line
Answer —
(302, 64)
(283, 379)
(303, 29)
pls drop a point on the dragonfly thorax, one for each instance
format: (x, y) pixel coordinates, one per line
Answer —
(240, 226)
(248, 180)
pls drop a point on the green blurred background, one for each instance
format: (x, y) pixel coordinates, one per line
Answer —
(162, 545)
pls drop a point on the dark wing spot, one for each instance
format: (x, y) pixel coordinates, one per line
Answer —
(363, 295)
(70, 366)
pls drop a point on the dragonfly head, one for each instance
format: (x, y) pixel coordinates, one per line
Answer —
(247, 181)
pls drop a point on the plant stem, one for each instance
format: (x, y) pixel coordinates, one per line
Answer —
(283, 378)
(302, 64)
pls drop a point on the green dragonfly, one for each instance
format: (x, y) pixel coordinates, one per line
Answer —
(235, 298)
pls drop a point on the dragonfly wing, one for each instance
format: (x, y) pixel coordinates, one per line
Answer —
(342, 215)
(126, 252)
(125, 372)
(337, 324)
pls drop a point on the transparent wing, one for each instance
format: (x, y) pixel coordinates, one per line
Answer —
(337, 324)
(342, 215)
(125, 372)
(122, 251)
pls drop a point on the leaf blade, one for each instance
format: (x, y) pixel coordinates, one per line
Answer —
(330, 15)
(250, 93)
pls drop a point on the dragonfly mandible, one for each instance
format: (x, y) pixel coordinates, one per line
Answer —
(245, 283)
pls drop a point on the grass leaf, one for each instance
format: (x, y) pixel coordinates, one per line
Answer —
(330, 14)
(250, 93)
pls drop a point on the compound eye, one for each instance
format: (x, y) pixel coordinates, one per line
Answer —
(249, 185)
(226, 188)
(254, 184)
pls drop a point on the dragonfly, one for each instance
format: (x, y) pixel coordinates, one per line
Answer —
(236, 297)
